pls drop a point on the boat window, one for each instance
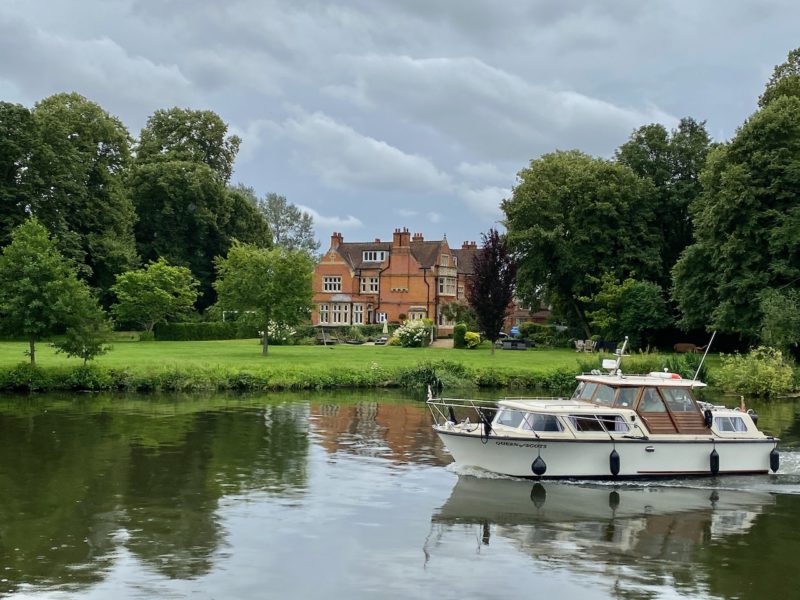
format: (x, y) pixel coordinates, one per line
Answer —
(678, 400)
(626, 397)
(508, 417)
(538, 422)
(651, 401)
(730, 424)
(604, 395)
(586, 423)
(584, 391)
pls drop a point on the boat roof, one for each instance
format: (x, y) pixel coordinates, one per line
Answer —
(651, 379)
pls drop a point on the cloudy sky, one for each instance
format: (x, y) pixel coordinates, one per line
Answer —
(374, 114)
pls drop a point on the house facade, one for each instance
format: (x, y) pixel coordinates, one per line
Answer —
(362, 283)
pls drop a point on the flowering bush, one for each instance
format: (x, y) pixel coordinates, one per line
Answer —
(414, 334)
(471, 340)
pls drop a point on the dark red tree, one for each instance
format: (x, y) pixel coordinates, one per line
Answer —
(491, 288)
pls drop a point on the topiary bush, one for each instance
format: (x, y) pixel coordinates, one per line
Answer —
(472, 340)
(459, 331)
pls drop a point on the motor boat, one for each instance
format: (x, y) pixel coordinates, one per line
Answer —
(614, 425)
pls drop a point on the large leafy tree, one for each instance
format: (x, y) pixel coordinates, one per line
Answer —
(194, 136)
(154, 293)
(785, 80)
(636, 309)
(491, 286)
(186, 212)
(40, 293)
(292, 228)
(746, 224)
(573, 217)
(76, 174)
(274, 284)
(17, 140)
(672, 161)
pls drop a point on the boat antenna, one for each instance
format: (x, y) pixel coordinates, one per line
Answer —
(619, 353)
(702, 360)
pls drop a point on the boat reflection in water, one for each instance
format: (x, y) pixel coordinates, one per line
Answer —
(643, 535)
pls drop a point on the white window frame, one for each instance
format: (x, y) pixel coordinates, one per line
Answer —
(332, 283)
(373, 255)
(369, 285)
(381, 317)
(447, 286)
(324, 314)
(340, 313)
(445, 260)
(358, 314)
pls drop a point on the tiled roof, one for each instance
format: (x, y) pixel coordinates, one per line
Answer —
(465, 256)
(425, 253)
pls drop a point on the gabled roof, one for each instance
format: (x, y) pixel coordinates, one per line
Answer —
(425, 253)
(465, 257)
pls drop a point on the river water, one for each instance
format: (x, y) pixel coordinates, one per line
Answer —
(352, 496)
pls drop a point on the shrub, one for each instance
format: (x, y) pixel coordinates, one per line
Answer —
(763, 371)
(459, 331)
(414, 334)
(472, 340)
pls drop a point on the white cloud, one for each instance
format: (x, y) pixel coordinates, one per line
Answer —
(434, 217)
(348, 222)
(345, 158)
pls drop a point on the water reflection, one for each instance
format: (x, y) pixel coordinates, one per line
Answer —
(636, 538)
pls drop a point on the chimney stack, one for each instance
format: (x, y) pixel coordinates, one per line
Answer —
(417, 237)
(336, 240)
(401, 238)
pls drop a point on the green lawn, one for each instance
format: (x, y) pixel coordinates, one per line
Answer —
(246, 354)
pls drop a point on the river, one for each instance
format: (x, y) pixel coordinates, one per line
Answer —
(351, 495)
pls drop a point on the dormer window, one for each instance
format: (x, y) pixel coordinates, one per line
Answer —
(374, 256)
(445, 260)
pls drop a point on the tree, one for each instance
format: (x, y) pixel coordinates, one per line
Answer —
(187, 214)
(746, 223)
(291, 228)
(17, 138)
(780, 326)
(785, 80)
(460, 313)
(246, 223)
(274, 284)
(572, 218)
(154, 293)
(491, 287)
(194, 136)
(88, 330)
(631, 308)
(672, 161)
(39, 290)
(77, 169)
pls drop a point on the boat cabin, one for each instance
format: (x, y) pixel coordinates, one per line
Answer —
(662, 400)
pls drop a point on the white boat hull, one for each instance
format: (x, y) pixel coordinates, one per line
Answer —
(590, 459)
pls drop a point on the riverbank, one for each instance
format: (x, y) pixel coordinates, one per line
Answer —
(238, 365)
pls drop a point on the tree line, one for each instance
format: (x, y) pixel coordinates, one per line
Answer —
(674, 232)
(86, 209)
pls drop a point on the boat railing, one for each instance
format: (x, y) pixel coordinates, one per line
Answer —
(443, 409)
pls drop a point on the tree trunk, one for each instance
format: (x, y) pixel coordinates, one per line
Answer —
(264, 341)
(32, 344)
(581, 318)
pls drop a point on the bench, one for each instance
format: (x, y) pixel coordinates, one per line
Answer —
(515, 344)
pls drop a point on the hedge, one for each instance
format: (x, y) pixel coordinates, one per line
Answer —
(210, 330)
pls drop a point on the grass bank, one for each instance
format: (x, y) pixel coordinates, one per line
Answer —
(238, 365)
